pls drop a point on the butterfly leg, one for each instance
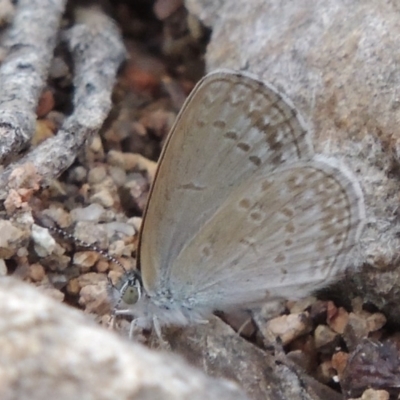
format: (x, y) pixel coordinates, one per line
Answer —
(112, 323)
(135, 325)
(157, 329)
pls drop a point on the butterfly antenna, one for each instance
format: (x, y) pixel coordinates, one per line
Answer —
(50, 225)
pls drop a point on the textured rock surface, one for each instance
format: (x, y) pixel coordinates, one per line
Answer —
(264, 375)
(48, 350)
(338, 62)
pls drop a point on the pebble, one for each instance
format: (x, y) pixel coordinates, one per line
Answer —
(97, 175)
(301, 305)
(130, 162)
(77, 174)
(289, 327)
(45, 104)
(339, 362)
(118, 175)
(103, 197)
(325, 372)
(371, 394)
(93, 212)
(11, 239)
(337, 318)
(120, 227)
(102, 265)
(325, 339)
(59, 215)
(92, 233)
(85, 259)
(45, 244)
(73, 287)
(94, 298)
(36, 272)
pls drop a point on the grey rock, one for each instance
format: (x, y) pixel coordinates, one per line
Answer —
(338, 62)
(48, 350)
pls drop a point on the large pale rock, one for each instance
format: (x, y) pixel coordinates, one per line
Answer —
(49, 351)
(339, 63)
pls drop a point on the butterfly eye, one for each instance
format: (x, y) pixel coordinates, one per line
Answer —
(131, 295)
(130, 291)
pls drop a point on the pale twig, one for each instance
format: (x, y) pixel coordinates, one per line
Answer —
(30, 43)
(97, 51)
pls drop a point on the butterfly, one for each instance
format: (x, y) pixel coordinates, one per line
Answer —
(241, 210)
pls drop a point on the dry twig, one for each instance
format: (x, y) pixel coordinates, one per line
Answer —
(30, 42)
(97, 51)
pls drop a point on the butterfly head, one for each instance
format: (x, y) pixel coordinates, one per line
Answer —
(128, 289)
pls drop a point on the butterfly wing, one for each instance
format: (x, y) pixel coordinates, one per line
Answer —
(232, 132)
(277, 236)
(222, 135)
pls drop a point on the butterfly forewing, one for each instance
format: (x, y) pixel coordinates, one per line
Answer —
(239, 206)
